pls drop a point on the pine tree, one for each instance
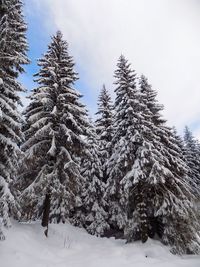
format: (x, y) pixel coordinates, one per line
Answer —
(13, 48)
(95, 220)
(148, 180)
(124, 142)
(191, 150)
(180, 212)
(104, 128)
(56, 123)
(178, 218)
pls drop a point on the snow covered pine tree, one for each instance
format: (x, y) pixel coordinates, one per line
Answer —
(123, 147)
(192, 155)
(176, 213)
(56, 125)
(13, 48)
(104, 128)
(148, 181)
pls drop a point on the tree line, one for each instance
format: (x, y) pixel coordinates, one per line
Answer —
(127, 174)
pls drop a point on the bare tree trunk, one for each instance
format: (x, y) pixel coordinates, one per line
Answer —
(142, 208)
(46, 210)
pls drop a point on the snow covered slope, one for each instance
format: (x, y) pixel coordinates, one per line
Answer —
(67, 246)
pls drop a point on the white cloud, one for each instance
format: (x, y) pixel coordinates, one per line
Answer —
(160, 38)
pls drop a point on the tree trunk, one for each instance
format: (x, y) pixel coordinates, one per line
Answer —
(46, 211)
(142, 208)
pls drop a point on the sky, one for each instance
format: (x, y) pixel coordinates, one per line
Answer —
(160, 39)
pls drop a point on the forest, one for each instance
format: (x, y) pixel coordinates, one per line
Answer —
(124, 173)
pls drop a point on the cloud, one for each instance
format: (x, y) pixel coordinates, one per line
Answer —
(160, 38)
(196, 133)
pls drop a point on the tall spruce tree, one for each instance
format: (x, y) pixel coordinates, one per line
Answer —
(13, 48)
(177, 182)
(56, 123)
(104, 128)
(147, 177)
(124, 141)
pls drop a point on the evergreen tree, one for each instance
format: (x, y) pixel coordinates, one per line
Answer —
(177, 182)
(13, 48)
(191, 150)
(149, 99)
(124, 141)
(95, 220)
(148, 182)
(104, 128)
(56, 125)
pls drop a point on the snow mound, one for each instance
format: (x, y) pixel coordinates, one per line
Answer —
(26, 246)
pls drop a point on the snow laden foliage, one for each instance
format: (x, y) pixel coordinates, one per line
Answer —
(192, 156)
(183, 154)
(180, 143)
(125, 133)
(148, 189)
(94, 204)
(56, 123)
(104, 128)
(177, 183)
(13, 48)
(12, 38)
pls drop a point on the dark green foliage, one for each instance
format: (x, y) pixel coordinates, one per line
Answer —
(56, 123)
(13, 48)
(192, 156)
(104, 129)
(148, 178)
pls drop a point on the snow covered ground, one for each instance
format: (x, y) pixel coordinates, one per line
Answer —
(67, 246)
